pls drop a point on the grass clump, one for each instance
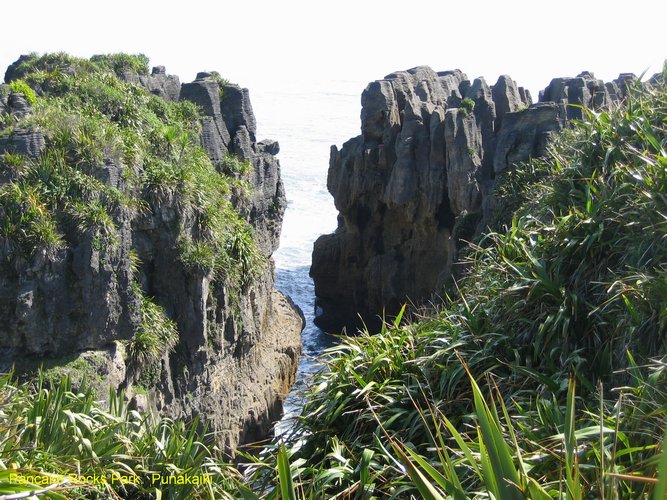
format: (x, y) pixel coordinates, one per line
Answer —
(221, 81)
(21, 87)
(92, 218)
(467, 105)
(231, 165)
(121, 63)
(155, 338)
(545, 376)
(64, 439)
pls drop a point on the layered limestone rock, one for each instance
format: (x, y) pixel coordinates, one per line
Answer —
(418, 180)
(238, 349)
(26, 142)
(242, 356)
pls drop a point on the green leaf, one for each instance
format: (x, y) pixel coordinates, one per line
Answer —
(660, 490)
(500, 459)
(425, 488)
(287, 490)
(450, 487)
(572, 478)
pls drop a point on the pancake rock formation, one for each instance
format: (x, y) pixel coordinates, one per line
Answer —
(419, 179)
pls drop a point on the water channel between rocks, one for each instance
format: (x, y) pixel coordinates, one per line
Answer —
(306, 119)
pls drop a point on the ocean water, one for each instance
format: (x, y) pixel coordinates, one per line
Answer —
(306, 119)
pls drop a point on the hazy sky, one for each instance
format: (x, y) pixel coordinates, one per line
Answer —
(275, 43)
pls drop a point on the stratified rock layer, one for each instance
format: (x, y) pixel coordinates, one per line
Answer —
(237, 354)
(419, 177)
(243, 357)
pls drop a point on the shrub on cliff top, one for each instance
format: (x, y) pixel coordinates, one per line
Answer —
(91, 119)
(120, 63)
(222, 82)
(467, 104)
(36, 68)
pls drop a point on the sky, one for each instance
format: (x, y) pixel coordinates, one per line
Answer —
(262, 44)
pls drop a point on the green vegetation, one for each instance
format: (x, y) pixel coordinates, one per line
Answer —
(467, 106)
(222, 82)
(231, 165)
(219, 78)
(54, 436)
(81, 368)
(21, 87)
(38, 69)
(155, 338)
(120, 63)
(52, 65)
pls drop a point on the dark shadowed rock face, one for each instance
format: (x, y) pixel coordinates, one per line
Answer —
(237, 352)
(525, 134)
(419, 177)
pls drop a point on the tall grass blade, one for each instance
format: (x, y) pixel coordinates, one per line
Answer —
(425, 488)
(285, 481)
(572, 477)
(660, 490)
(501, 464)
(450, 487)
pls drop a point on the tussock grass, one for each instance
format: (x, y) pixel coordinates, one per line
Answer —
(68, 439)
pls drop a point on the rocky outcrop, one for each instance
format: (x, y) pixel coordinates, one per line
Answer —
(25, 142)
(238, 346)
(526, 134)
(419, 178)
(158, 82)
(242, 356)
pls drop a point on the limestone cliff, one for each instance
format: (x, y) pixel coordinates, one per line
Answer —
(418, 180)
(81, 303)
